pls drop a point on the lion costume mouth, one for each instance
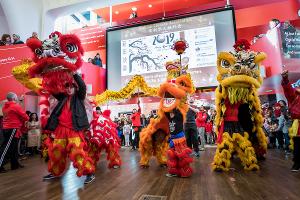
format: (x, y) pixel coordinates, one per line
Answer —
(47, 65)
(241, 81)
(169, 100)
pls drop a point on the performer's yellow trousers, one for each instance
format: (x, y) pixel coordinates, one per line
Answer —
(235, 143)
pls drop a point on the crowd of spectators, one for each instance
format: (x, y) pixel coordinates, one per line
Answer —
(203, 131)
(277, 121)
(13, 39)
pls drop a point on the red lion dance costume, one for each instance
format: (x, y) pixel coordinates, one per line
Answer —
(57, 60)
(104, 136)
(166, 129)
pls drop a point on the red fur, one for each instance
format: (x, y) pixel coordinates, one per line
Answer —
(45, 112)
(38, 68)
(34, 44)
(85, 169)
(71, 39)
(44, 102)
(173, 171)
(54, 82)
(75, 155)
(106, 113)
(186, 171)
(54, 149)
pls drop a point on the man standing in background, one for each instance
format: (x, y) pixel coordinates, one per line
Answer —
(136, 126)
(190, 128)
(14, 117)
(201, 122)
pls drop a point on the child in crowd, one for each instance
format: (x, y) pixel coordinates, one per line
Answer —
(34, 132)
(209, 131)
(126, 132)
(272, 133)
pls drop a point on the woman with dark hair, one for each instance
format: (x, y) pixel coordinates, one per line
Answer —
(34, 132)
(6, 39)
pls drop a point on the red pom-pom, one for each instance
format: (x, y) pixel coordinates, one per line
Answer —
(180, 46)
(241, 45)
(106, 113)
(55, 33)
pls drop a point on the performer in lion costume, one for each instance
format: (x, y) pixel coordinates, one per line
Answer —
(56, 61)
(103, 135)
(154, 139)
(239, 120)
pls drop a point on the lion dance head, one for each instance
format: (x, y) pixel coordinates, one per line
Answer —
(55, 60)
(240, 70)
(175, 90)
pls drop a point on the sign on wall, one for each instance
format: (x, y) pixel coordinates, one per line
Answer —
(290, 37)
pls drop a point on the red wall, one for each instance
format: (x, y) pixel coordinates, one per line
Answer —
(96, 76)
(261, 15)
(11, 56)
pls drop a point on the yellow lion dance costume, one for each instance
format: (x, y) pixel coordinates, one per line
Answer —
(154, 138)
(239, 120)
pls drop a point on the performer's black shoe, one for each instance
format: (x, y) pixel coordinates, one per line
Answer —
(89, 178)
(163, 165)
(3, 170)
(49, 177)
(197, 154)
(17, 167)
(296, 167)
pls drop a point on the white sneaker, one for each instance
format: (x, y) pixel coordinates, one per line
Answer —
(171, 175)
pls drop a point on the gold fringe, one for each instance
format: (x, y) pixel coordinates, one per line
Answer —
(20, 73)
(137, 82)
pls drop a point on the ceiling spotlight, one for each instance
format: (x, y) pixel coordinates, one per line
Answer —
(150, 5)
(134, 9)
(117, 12)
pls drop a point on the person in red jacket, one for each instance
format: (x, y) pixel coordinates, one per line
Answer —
(292, 93)
(14, 117)
(136, 125)
(201, 123)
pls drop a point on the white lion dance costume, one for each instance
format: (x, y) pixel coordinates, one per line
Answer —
(104, 136)
(239, 120)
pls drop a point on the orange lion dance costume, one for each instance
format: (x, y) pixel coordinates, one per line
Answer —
(56, 61)
(104, 136)
(239, 119)
(154, 139)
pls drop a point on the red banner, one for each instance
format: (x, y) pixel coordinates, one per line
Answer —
(11, 56)
(92, 37)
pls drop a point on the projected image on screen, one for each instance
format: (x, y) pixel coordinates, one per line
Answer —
(145, 49)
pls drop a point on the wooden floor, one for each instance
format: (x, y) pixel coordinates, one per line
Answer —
(273, 181)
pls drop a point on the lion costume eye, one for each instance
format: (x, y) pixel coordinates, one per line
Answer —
(38, 51)
(182, 83)
(225, 63)
(72, 47)
(253, 66)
